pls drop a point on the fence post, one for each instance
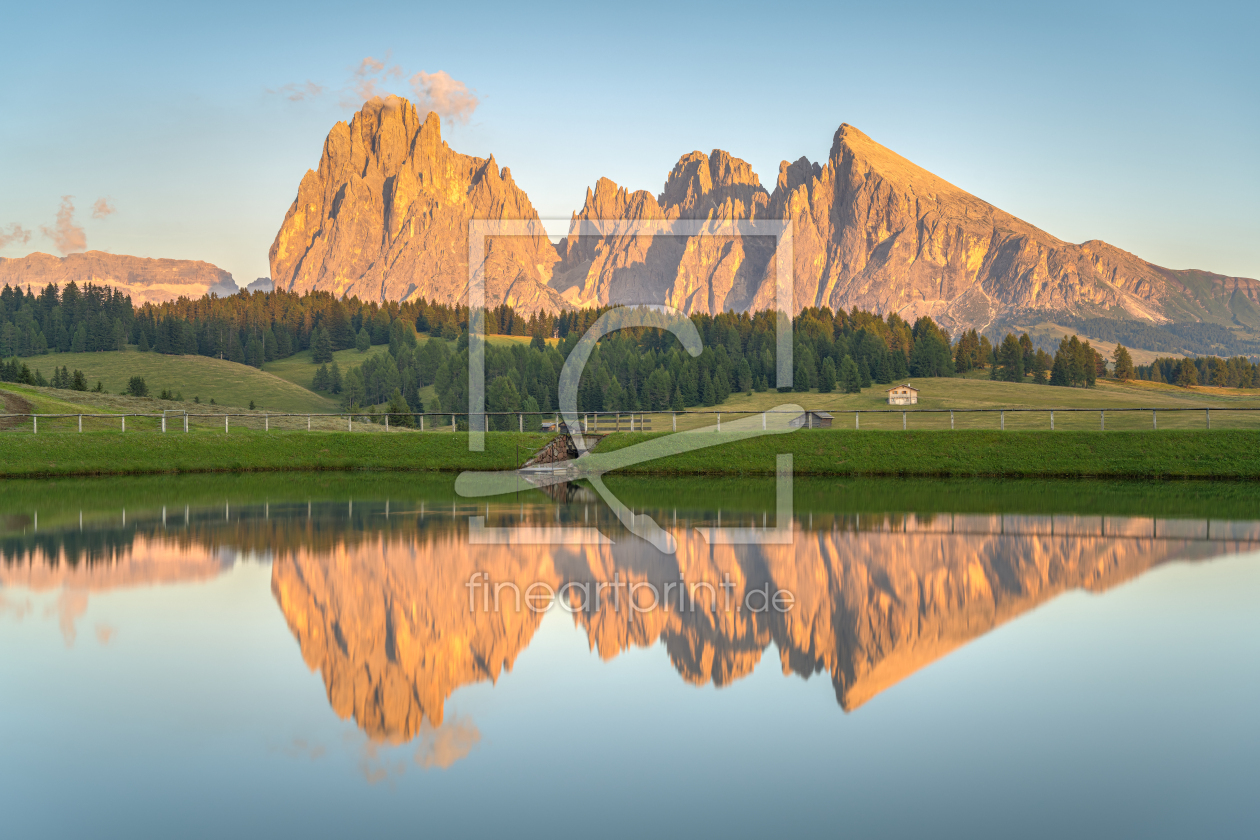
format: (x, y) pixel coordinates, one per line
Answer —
(903, 421)
(163, 422)
(124, 422)
(520, 421)
(1003, 421)
(34, 425)
(1207, 414)
(1052, 419)
(673, 420)
(719, 426)
(185, 422)
(857, 424)
(422, 422)
(387, 421)
(1102, 420)
(80, 422)
(308, 422)
(763, 421)
(951, 419)
(1154, 422)
(266, 422)
(225, 423)
(349, 422)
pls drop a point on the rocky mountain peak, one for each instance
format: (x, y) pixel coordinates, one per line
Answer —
(385, 217)
(717, 184)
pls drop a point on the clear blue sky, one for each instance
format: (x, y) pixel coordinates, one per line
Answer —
(1137, 123)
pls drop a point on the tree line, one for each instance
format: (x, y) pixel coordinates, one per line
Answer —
(636, 369)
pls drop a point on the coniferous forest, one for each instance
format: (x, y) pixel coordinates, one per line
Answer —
(636, 369)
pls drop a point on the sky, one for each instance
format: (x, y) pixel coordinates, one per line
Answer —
(177, 130)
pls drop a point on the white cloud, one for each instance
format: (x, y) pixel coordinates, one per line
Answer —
(451, 98)
(15, 233)
(373, 77)
(67, 237)
(103, 208)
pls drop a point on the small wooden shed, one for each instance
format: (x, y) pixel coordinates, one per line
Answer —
(903, 395)
(812, 420)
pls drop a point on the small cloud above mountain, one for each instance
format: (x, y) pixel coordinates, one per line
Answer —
(451, 98)
(14, 233)
(67, 237)
(372, 77)
(297, 92)
(102, 208)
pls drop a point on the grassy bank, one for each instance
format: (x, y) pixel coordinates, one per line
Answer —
(112, 453)
(1230, 454)
(64, 498)
(1223, 454)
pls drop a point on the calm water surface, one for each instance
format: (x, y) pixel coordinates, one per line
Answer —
(299, 656)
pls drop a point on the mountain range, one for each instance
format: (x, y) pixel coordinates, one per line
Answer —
(145, 280)
(385, 217)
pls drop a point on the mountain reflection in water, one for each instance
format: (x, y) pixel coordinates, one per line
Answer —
(376, 594)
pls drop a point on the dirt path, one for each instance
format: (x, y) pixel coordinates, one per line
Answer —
(13, 404)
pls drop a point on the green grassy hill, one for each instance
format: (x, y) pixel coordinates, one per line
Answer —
(227, 383)
(284, 386)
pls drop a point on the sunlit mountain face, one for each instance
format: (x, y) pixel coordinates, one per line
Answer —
(396, 607)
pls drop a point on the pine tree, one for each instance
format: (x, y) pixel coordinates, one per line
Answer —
(398, 410)
(321, 379)
(800, 379)
(334, 378)
(1011, 359)
(850, 376)
(1187, 374)
(1123, 363)
(1059, 372)
(362, 341)
(827, 381)
(321, 346)
(677, 404)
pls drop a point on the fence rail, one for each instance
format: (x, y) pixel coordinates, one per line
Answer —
(1121, 419)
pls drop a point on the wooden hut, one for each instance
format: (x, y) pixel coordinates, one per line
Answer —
(903, 395)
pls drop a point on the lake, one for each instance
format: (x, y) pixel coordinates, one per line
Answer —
(343, 655)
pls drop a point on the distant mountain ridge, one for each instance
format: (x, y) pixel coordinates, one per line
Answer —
(385, 217)
(145, 280)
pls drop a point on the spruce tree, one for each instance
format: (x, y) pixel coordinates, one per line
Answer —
(334, 378)
(321, 346)
(1187, 374)
(707, 396)
(1123, 363)
(827, 381)
(362, 341)
(850, 376)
